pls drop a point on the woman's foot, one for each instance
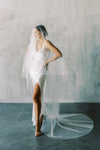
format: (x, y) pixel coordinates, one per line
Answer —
(38, 132)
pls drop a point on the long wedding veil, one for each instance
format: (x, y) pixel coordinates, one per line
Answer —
(55, 124)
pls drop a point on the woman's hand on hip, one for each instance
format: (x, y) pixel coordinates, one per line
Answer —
(46, 64)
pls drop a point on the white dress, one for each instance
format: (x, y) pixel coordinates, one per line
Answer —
(38, 73)
(53, 90)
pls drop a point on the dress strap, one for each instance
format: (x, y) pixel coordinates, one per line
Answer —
(43, 43)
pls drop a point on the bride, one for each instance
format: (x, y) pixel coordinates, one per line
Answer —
(46, 86)
(39, 43)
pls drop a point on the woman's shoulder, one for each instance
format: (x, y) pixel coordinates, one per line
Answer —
(47, 41)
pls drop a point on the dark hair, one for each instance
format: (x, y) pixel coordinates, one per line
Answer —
(43, 29)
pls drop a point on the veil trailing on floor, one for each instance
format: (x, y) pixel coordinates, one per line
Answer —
(55, 124)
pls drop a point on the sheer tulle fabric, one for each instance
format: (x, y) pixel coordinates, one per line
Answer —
(54, 90)
(55, 124)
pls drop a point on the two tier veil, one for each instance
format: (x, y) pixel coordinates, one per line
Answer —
(55, 124)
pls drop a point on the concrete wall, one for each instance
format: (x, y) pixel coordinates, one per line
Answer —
(73, 26)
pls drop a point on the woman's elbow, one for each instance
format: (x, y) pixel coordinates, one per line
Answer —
(60, 55)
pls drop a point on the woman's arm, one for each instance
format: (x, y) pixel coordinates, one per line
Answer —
(54, 49)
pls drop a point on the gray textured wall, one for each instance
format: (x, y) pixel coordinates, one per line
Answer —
(73, 26)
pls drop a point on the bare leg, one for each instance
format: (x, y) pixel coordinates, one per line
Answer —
(37, 104)
(41, 117)
(41, 120)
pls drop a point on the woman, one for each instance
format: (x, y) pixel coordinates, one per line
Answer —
(55, 125)
(42, 46)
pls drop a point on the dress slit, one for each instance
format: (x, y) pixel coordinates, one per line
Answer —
(41, 83)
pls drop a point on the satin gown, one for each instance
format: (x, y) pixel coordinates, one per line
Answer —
(38, 73)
